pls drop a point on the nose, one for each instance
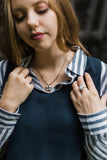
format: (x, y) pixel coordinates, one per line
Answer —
(33, 20)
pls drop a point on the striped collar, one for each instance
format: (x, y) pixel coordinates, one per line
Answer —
(77, 65)
(75, 68)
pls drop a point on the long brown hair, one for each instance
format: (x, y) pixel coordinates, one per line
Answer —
(16, 48)
(67, 36)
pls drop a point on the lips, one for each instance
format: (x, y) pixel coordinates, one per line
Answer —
(37, 36)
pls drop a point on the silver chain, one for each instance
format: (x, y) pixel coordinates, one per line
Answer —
(49, 87)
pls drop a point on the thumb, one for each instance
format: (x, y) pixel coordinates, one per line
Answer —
(104, 99)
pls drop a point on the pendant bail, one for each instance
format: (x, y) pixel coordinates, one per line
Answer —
(49, 88)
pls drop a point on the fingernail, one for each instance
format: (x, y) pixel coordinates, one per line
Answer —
(80, 77)
(86, 73)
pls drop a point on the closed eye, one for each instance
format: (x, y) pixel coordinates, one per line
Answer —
(42, 11)
(18, 20)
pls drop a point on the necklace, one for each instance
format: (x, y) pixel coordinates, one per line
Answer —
(49, 85)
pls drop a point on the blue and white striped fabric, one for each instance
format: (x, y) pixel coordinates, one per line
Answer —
(94, 125)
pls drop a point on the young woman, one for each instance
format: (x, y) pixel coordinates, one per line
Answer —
(50, 87)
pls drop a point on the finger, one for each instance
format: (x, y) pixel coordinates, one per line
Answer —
(28, 79)
(24, 73)
(17, 70)
(75, 88)
(90, 83)
(31, 87)
(72, 96)
(81, 82)
(104, 100)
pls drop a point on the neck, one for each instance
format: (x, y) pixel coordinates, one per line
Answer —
(49, 66)
(48, 58)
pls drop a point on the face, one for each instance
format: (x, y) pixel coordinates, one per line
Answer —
(35, 23)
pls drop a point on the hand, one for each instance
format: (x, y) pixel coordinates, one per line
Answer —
(87, 101)
(16, 90)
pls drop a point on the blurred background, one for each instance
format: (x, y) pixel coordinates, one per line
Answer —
(92, 15)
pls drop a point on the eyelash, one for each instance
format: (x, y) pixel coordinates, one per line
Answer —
(43, 11)
(18, 20)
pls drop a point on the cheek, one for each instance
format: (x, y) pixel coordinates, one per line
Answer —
(52, 21)
(21, 30)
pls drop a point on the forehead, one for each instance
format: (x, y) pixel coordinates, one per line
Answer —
(26, 3)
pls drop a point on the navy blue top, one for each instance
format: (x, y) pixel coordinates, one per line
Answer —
(49, 128)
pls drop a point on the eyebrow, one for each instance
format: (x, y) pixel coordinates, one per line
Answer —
(17, 9)
(22, 8)
(38, 2)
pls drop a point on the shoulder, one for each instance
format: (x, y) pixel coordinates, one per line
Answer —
(103, 78)
(98, 71)
(92, 61)
(97, 65)
(94, 68)
(3, 66)
(104, 67)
